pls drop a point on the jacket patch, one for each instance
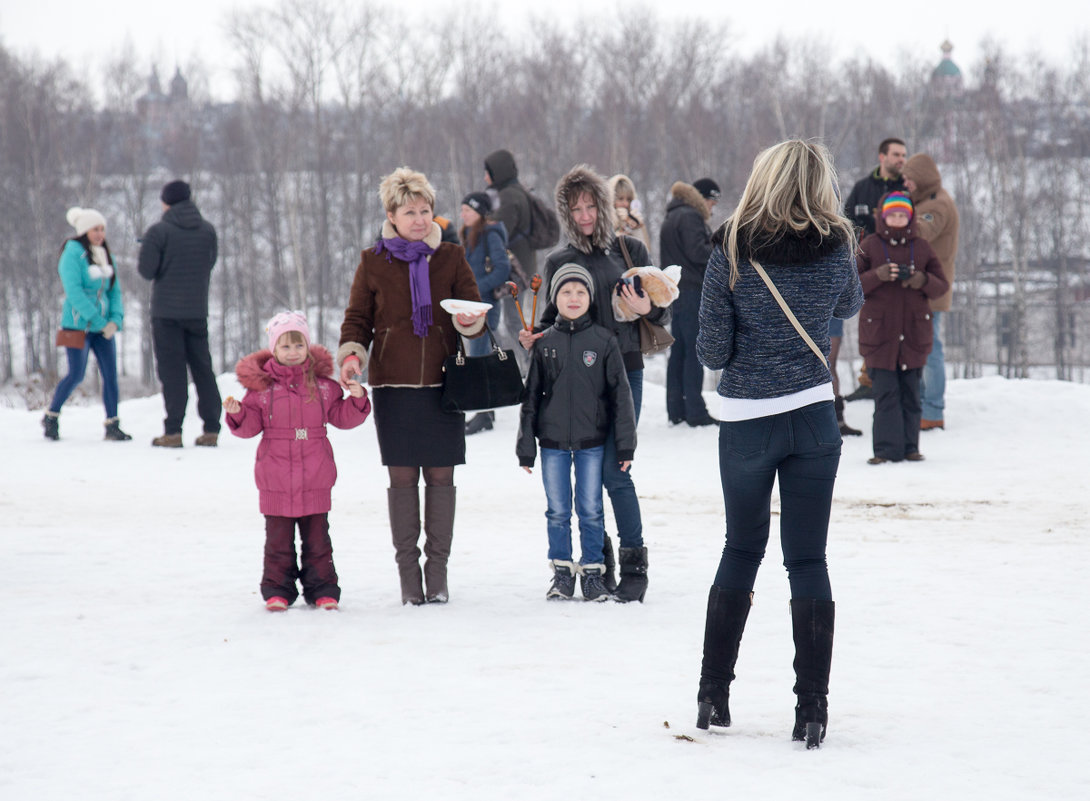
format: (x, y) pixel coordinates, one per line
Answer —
(590, 357)
(927, 216)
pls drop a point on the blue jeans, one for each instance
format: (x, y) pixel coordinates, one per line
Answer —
(802, 448)
(684, 372)
(618, 483)
(933, 383)
(556, 469)
(106, 356)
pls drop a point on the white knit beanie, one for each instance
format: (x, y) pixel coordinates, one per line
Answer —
(83, 220)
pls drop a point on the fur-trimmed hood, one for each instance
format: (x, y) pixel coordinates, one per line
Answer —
(683, 193)
(254, 371)
(583, 179)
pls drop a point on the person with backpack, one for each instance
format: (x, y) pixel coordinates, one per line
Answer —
(531, 226)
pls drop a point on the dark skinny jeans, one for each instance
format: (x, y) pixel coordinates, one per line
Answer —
(802, 448)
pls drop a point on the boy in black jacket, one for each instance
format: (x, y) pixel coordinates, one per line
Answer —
(576, 390)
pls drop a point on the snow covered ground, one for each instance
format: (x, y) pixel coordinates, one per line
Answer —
(137, 661)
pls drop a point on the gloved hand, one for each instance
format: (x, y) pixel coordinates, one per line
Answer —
(887, 271)
(109, 330)
(918, 279)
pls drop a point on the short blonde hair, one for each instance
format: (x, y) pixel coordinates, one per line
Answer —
(792, 188)
(623, 189)
(405, 185)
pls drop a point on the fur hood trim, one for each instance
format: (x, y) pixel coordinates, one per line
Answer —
(690, 196)
(583, 179)
(660, 285)
(794, 247)
(251, 369)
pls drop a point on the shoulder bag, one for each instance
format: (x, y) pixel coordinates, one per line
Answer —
(71, 338)
(654, 338)
(475, 383)
(790, 315)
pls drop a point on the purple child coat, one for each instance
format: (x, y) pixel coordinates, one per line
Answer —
(295, 470)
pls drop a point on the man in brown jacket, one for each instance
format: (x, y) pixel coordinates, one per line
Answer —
(936, 220)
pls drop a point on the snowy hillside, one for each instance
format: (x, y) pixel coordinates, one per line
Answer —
(137, 661)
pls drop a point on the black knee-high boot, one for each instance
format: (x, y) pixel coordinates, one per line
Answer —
(727, 613)
(812, 627)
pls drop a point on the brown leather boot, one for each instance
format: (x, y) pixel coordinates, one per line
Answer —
(404, 506)
(439, 531)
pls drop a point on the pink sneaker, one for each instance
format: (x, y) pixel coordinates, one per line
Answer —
(276, 604)
(326, 603)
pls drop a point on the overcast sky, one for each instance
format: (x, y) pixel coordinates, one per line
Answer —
(171, 32)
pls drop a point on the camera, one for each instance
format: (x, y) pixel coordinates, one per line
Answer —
(632, 281)
(905, 271)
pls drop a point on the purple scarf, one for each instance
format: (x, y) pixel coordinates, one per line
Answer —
(416, 254)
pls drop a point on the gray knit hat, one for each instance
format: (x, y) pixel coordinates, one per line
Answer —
(570, 272)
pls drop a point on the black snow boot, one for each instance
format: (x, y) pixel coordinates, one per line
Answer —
(633, 583)
(52, 425)
(845, 429)
(482, 421)
(563, 586)
(726, 620)
(609, 578)
(812, 627)
(114, 432)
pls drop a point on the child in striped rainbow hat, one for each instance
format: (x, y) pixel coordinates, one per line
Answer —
(897, 210)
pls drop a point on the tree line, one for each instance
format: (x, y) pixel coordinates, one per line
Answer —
(331, 96)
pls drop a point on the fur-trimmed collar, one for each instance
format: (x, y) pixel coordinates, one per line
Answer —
(690, 196)
(583, 178)
(782, 248)
(252, 374)
(432, 240)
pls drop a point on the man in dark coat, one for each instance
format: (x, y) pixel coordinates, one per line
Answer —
(685, 239)
(868, 190)
(177, 254)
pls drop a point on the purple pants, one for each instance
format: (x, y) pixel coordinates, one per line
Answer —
(318, 574)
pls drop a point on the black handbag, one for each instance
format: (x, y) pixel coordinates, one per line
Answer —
(475, 383)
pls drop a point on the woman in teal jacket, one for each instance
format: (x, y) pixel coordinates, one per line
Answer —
(92, 304)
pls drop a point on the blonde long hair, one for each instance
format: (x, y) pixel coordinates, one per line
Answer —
(792, 188)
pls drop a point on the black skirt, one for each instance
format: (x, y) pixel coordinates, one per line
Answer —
(414, 431)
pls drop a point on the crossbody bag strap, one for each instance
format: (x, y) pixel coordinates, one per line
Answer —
(624, 251)
(790, 314)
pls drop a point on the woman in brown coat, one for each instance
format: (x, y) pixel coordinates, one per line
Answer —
(393, 312)
(899, 273)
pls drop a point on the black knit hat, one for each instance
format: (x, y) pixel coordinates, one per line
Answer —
(480, 202)
(175, 192)
(708, 188)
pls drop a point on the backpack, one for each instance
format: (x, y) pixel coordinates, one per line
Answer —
(544, 224)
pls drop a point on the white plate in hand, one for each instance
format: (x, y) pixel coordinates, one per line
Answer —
(459, 306)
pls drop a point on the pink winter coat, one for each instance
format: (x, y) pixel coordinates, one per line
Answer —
(295, 470)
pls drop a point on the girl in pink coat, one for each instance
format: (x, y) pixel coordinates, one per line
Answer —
(289, 400)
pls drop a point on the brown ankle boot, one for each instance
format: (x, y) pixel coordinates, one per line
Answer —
(404, 505)
(439, 531)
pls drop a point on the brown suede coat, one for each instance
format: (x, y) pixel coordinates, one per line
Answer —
(935, 219)
(379, 316)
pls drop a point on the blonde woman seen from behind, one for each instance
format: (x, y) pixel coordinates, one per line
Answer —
(776, 408)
